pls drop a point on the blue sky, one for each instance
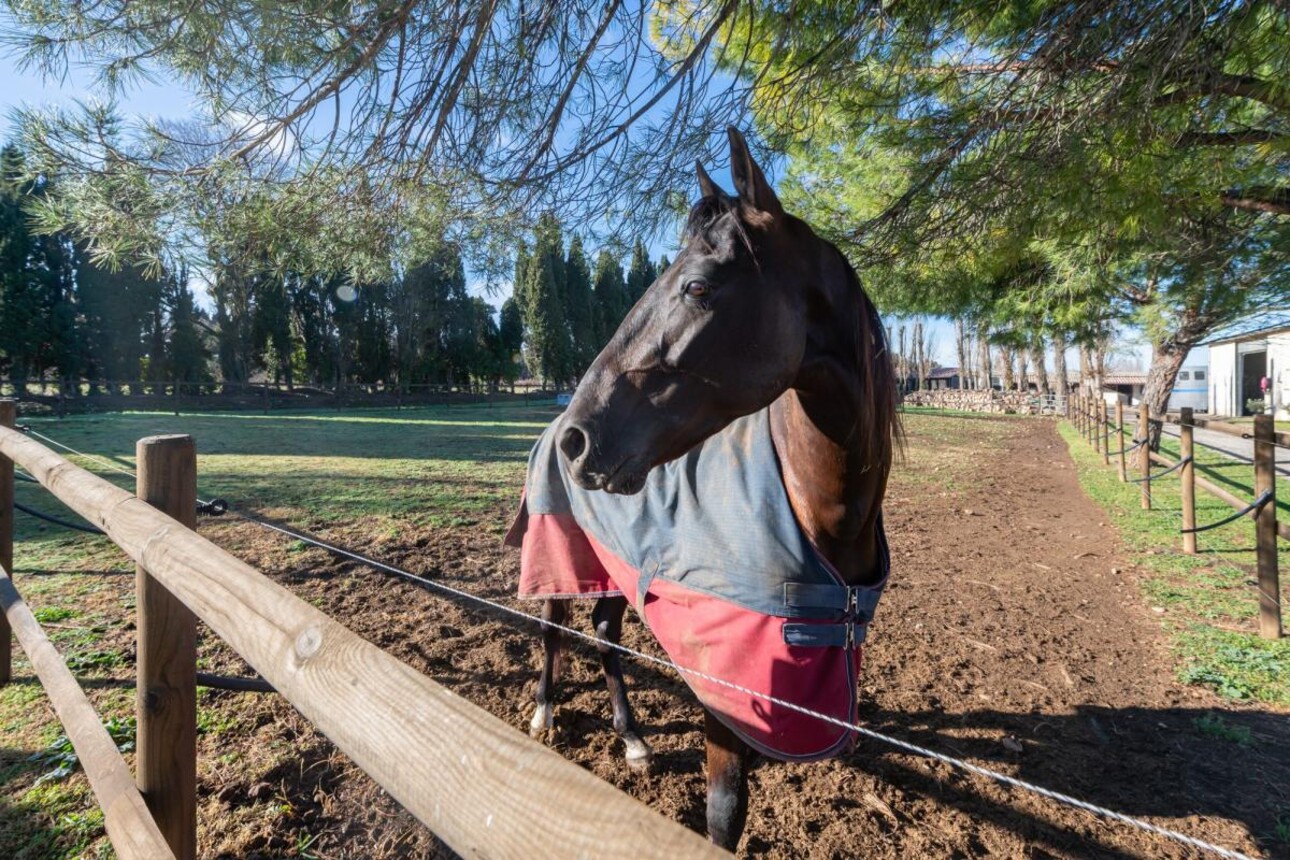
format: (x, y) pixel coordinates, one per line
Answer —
(170, 100)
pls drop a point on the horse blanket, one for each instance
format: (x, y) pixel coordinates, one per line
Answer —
(711, 556)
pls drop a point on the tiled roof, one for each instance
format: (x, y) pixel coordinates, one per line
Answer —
(1127, 377)
(943, 373)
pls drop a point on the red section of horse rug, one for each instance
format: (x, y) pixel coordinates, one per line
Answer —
(708, 637)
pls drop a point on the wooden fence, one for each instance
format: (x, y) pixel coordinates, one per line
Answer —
(59, 397)
(1107, 434)
(483, 787)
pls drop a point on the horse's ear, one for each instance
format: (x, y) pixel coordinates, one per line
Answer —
(707, 188)
(756, 196)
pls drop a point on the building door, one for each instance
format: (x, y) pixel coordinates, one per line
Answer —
(1254, 366)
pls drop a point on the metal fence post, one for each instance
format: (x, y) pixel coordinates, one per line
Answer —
(166, 699)
(1144, 454)
(8, 417)
(1265, 461)
(1186, 450)
(1119, 432)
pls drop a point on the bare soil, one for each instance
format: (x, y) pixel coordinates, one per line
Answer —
(1014, 635)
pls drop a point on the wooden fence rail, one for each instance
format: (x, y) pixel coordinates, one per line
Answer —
(126, 818)
(483, 787)
(1090, 418)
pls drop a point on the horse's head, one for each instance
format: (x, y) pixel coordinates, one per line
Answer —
(719, 335)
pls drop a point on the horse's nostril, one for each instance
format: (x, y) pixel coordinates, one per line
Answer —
(573, 442)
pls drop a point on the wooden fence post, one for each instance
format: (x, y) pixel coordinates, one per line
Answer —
(1104, 416)
(1119, 432)
(8, 416)
(166, 700)
(1265, 527)
(1144, 454)
(1186, 450)
(1094, 435)
(1097, 425)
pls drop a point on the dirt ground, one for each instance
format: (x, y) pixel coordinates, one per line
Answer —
(1013, 635)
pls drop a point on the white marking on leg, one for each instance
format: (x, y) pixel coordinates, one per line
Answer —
(639, 753)
(543, 718)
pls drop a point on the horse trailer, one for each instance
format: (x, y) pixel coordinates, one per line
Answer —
(1191, 388)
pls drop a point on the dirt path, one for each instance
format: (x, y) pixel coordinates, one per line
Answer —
(1014, 634)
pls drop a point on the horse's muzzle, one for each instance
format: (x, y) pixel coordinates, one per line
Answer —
(579, 449)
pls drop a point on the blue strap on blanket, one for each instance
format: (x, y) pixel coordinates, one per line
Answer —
(857, 603)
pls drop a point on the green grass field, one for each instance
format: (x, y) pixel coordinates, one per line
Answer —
(1211, 598)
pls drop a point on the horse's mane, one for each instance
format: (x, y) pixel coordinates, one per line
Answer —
(880, 395)
(705, 214)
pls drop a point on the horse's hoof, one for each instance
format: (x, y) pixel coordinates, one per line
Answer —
(640, 757)
(543, 721)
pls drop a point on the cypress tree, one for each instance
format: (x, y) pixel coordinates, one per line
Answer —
(20, 311)
(639, 275)
(610, 297)
(577, 300)
(511, 339)
(546, 329)
(188, 359)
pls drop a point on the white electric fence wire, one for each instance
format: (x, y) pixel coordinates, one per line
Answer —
(1004, 778)
(102, 462)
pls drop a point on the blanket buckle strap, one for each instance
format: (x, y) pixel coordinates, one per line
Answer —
(855, 607)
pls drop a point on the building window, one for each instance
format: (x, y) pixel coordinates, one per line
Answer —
(1183, 376)
(1200, 376)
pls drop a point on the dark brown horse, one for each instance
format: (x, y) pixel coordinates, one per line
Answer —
(756, 311)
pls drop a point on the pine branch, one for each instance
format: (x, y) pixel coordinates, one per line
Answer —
(1259, 198)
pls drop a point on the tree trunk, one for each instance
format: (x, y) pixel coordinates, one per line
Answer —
(1041, 371)
(984, 362)
(960, 342)
(1167, 357)
(902, 361)
(1009, 378)
(1059, 365)
(1085, 370)
(918, 356)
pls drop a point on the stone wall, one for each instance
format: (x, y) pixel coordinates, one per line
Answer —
(1008, 402)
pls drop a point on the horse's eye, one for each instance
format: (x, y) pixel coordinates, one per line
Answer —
(697, 289)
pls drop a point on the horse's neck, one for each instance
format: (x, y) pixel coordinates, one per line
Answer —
(833, 484)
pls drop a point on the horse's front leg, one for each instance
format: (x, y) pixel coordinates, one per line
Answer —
(728, 758)
(555, 611)
(608, 619)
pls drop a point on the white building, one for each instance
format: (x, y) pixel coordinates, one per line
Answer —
(1242, 356)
